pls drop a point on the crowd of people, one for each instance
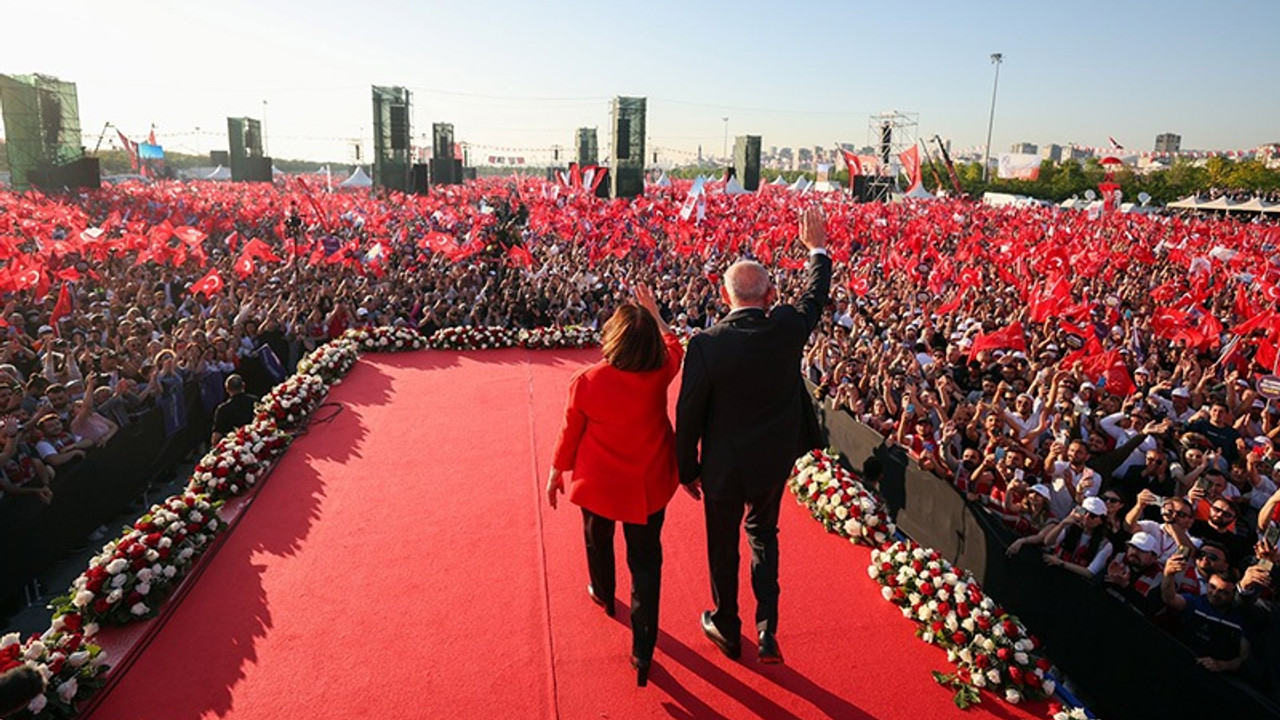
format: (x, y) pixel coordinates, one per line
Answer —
(1096, 382)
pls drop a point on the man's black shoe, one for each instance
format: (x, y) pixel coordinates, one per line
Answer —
(731, 650)
(770, 653)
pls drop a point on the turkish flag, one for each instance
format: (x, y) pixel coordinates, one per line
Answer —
(858, 286)
(62, 308)
(911, 166)
(189, 235)
(1116, 379)
(210, 285)
(244, 265)
(520, 256)
(260, 250)
(1011, 338)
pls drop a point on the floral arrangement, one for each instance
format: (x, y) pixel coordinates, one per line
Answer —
(134, 573)
(836, 499)
(239, 460)
(386, 339)
(472, 338)
(546, 338)
(990, 648)
(1057, 712)
(292, 401)
(71, 665)
(331, 361)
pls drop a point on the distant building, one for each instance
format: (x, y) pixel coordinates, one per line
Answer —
(1024, 149)
(1052, 153)
(1168, 142)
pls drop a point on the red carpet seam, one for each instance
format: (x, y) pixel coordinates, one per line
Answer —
(542, 544)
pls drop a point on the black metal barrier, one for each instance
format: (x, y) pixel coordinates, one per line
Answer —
(95, 490)
(1124, 665)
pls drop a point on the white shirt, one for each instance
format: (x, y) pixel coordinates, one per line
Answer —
(1111, 426)
(1065, 479)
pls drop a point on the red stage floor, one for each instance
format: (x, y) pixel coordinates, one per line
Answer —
(401, 563)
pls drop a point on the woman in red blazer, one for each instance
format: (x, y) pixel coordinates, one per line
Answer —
(618, 442)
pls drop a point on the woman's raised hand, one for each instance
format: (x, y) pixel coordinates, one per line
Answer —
(646, 299)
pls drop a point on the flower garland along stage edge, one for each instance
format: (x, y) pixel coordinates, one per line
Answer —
(71, 664)
(473, 338)
(836, 499)
(571, 336)
(386, 339)
(991, 649)
(133, 574)
(332, 360)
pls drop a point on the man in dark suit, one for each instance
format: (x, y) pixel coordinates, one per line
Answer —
(742, 396)
(234, 412)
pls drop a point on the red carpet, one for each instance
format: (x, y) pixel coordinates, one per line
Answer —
(401, 563)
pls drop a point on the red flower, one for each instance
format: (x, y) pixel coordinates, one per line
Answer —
(1004, 654)
(153, 539)
(73, 622)
(982, 660)
(218, 472)
(55, 667)
(926, 589)
(1015, 674)
(962, 674)
(164, 553)
(958, 638)
(944, 608)
(936, 627)
(1043, 664)
(101, 606)
(189, 500)
(983, 622)
(95, 584)
(962, 610)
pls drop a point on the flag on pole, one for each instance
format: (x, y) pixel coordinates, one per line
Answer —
(911, 166)
(130, 147)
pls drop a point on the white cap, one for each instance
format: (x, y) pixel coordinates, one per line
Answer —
(1094, 506)
(1182, 392)
(1143, 542)
(1041, 489)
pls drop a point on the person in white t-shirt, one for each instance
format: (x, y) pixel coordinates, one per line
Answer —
(1168, 535)
(1070, 479)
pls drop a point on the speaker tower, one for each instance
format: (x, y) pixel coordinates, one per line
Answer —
(626, 160)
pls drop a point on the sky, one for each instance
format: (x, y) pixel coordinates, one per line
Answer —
(517, 77)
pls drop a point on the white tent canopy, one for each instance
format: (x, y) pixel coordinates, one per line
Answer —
(358, 179)
(219, 173)
(733, 187)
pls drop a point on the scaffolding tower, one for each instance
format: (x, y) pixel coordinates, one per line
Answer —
(891, 132)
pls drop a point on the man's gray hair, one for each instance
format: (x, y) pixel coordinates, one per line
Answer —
(747, 282)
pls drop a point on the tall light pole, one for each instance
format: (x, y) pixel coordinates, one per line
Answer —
(724, 152)
(996, 59)
(264, 129)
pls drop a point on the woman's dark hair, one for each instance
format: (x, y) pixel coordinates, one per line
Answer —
(1071, 539)
(632, 342)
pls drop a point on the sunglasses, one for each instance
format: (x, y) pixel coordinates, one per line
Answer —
(1179, 513)
(1112, 499)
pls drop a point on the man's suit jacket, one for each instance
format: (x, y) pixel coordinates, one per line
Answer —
(742, 394)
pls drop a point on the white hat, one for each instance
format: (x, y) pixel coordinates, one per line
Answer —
(1141, 369)
(1143, 542)
(1181, 392)
(1258, 404)
(361, 312)
(1094, 506)
(1041, 489)
(44, 329)
(1086, 385)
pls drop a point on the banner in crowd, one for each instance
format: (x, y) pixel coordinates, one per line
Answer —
(505, 160)
(1018, 166)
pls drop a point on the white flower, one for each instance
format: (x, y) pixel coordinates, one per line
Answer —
(968, 624)
(842, 512)
(35, 651)
(138, 609)
(186, 553)
(10, 639)
(117, 566)
(1048, 686)
(979, 680)
(196, 516)
(114, 596)
(82, 599)
(887, 592)
(170, 571)
(119, 580)
(143, 588)
(1021, 658)
(965, 655)
(67, 690)
(994, 676)
(1012, 696)
(37, 704)
(90, 629)
(873, 571)
(989, 645)
(1021, 645)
